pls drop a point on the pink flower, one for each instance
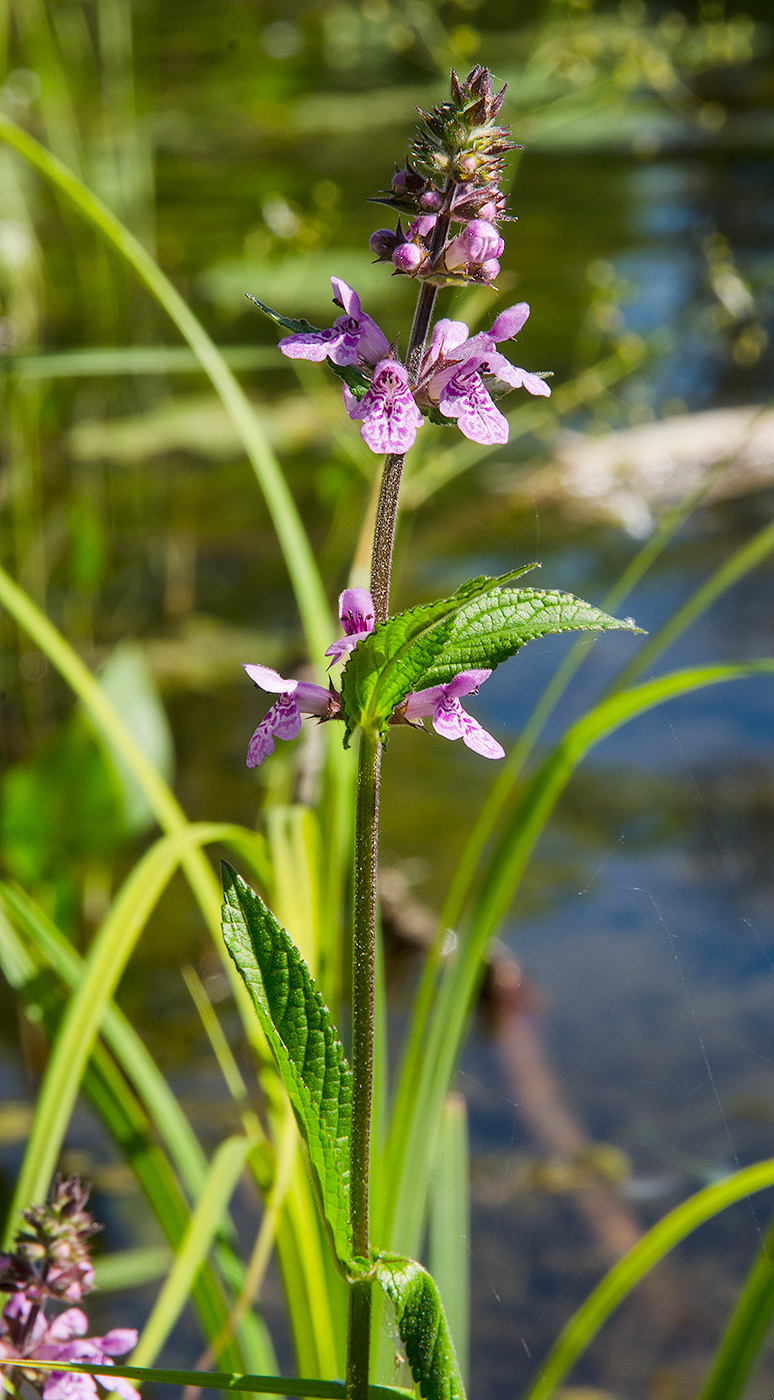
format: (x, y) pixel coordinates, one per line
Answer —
(353, 337)
(453, 367)
(283, 720)
(356, 614)
(449, 719)
(64, 1339)
(462, 395)
(389, 415)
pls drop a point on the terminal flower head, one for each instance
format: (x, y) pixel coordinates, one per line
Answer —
(352, 338)
(356, 614)
(283, 720)
(387, 410)
(50, 1258)
(442, 703)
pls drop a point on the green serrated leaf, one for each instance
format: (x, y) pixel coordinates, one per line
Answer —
(388, 663)
(303, 1040)
(492, 627)
(423, 1328)
(357, 381)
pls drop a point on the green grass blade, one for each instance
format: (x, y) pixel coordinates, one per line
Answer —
(302, 1250)
(115, 734)
(226, 1380)
(109, 360)
(415, 1121)
(622, 1278)
(449, 1223)
(130, 1268)
(296, 549)
(293, 835)
(225, 1170)
(104, 965)
(137, 1064)
(125, 1119)
(739, 1351)
(741, 562)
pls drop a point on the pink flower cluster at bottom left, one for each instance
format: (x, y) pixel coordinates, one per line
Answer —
(63, 1339)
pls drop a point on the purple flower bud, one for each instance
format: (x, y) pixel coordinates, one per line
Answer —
(431, 200)
(490, 269)
(383, 243)
(399, 182)
(468, 166)
(478, 242)
(407, 258)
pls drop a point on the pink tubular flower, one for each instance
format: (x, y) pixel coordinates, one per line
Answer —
(356, 614)
(389, 415)
(352, 337)
(283, 721)
(452, 373)
(449, 718)
(64, 1339)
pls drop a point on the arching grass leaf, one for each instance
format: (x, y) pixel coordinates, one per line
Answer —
(423, 1328)
(303, 1040)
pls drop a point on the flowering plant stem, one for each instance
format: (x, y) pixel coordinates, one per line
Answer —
(365, 896)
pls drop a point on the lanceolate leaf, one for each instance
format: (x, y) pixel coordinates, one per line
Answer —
(489, 629)
(423, 1328)
(303, 1040)
(351, 375)
(479, 626)
(393, 659)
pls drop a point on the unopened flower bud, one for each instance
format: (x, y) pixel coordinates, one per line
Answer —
(490, 269)
(383, 243)
(478, 241)
(431, 200)
(468, 166)
(399, 182)
(407, 258)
